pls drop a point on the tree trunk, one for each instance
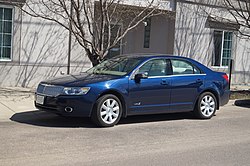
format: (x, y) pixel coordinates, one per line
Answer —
(93, 57)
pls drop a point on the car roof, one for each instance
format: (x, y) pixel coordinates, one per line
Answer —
(150, 55)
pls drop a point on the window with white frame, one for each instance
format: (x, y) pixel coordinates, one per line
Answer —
(222, 48)
(6, 23)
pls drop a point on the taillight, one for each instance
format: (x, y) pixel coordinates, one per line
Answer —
(225, 77)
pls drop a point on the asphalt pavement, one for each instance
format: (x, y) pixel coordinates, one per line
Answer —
(31, 137)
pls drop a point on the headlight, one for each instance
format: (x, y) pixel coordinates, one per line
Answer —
(76, 90)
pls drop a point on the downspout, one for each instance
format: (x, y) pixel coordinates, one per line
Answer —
(173, 5)
(20, 36)
(70, 38)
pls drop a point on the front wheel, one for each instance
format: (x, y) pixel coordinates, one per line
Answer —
(107, 111)
(206, 106)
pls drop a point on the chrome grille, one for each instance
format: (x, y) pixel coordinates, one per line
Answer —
(49, 90)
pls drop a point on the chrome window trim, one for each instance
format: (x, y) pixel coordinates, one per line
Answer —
(181, 75)
(166, 58)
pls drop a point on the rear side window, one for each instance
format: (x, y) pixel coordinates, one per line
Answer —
(181, 67)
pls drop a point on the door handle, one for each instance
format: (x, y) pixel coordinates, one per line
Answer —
(164, 82)
(198, 81)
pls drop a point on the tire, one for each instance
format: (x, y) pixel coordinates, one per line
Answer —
(206, 106)
(107, 111)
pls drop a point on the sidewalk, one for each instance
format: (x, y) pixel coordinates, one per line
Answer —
(14, 100)
(240, 87)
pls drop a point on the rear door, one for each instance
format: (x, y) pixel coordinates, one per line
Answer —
(187, 82)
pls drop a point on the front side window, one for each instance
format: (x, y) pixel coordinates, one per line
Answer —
(156, 67)
(222, 48)
(6, 22)
(181, 67)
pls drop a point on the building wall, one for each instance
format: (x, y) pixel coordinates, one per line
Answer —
(161, 37)
(194, 39)
(40, 51)
(40, 48)
(241, 69)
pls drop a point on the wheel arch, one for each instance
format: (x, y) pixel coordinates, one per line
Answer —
(214, 93)
(119, 96)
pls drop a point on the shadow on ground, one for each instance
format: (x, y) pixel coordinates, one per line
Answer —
(45, 119)
(243, 103)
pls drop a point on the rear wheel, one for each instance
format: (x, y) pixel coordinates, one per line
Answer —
(107, 111)
(206, 106)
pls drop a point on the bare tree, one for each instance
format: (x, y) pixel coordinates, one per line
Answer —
(240, 11)
(96, 25)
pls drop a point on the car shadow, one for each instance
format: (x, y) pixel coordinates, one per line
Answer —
(242, 103)
(157, 118)
(46, 119)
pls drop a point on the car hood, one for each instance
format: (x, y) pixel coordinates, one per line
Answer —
(79, 80)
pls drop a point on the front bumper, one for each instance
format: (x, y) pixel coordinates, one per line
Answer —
(82, 105)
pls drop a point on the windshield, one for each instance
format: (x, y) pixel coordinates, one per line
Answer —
(116, 66)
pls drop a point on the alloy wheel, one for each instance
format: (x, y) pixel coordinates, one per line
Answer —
(109, 111)
(207, 105)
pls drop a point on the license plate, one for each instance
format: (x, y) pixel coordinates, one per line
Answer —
(39, 99)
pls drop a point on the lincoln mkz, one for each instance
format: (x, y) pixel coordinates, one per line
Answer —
(135, 85)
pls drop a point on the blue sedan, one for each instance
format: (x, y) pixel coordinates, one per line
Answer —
(135, 85)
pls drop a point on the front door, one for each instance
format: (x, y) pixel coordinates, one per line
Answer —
(152, 94)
